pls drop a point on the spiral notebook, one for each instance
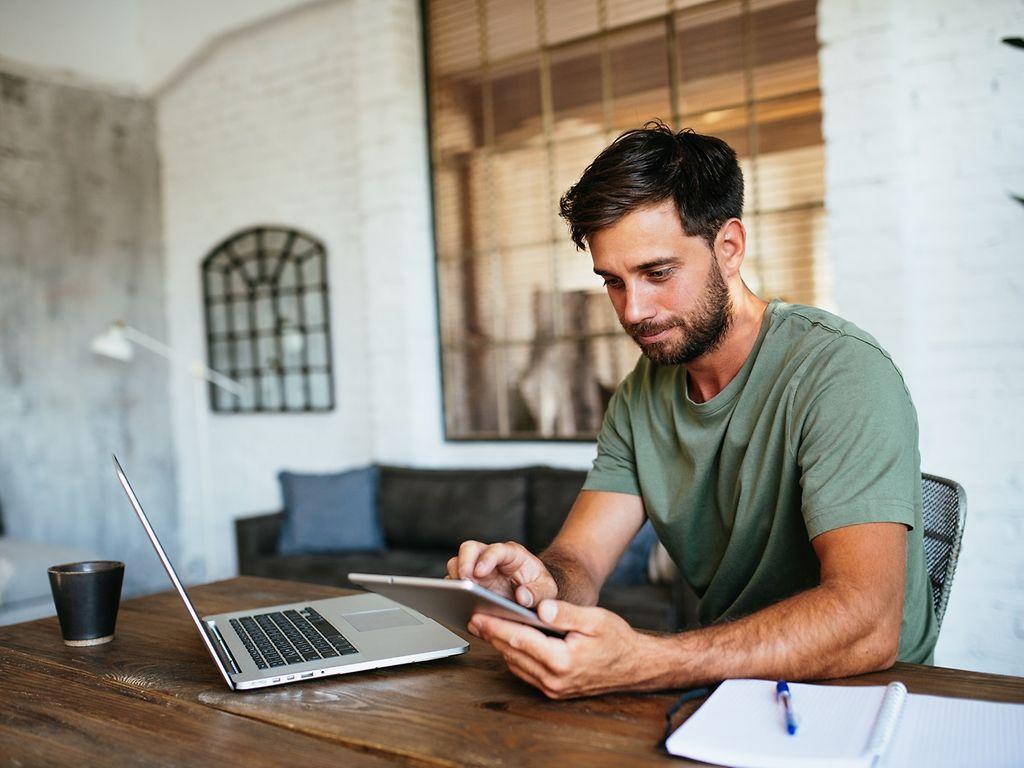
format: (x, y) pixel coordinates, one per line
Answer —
(742, 725)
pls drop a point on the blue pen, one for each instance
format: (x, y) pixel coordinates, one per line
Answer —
(782, 694)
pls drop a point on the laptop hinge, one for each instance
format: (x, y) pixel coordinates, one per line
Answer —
(222, 647)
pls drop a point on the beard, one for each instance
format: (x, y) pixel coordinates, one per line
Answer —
(702, 332)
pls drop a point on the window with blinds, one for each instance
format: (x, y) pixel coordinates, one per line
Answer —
(523, 95)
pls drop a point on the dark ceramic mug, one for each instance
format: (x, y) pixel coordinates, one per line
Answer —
(87, 596)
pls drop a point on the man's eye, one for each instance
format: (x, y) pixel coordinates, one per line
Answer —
(611, 282)
(660, 274)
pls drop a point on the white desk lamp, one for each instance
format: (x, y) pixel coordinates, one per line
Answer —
(116, 343)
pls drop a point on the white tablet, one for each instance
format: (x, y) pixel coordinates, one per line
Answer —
(450, 601)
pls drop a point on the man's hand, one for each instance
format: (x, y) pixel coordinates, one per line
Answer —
(599, 653)
(508, 569)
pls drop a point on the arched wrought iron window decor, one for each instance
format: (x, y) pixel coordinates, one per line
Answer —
(268, 321)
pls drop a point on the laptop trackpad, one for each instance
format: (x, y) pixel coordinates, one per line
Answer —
(387, 618)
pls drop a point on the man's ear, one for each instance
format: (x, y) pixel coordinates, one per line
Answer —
(730, 247)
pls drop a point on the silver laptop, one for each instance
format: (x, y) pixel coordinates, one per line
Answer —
(313, 638)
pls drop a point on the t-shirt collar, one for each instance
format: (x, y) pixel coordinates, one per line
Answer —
(734, 387)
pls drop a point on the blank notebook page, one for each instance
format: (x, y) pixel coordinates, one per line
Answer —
(936, 732)
(742, 724)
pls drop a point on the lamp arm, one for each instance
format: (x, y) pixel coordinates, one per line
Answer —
(217, 379)
(200, 370)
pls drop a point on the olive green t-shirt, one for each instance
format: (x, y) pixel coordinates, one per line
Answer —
(816, 432)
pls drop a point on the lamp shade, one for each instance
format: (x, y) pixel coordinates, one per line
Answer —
(114, 344)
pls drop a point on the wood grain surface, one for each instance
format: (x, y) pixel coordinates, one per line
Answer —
(153, 696)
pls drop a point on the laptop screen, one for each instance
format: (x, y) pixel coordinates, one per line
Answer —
(170, 570)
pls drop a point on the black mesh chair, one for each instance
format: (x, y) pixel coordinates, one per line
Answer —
(945, 509)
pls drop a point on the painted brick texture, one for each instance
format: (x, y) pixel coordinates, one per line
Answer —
(923, 115)
(262, 128)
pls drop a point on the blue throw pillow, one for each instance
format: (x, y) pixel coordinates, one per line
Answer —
(632, 566)
(330, 513)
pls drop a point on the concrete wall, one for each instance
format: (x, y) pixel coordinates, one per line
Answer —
(923, 128)
(80, 246)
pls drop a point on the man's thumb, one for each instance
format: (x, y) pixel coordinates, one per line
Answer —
(565, 616)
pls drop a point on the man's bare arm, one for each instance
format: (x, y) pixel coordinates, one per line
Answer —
(847, 625)
(596, 532)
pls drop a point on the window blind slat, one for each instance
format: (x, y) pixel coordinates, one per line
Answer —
(640, 77)
(569, 19)
(511, 28)
(453, 36)
(576, 89)
(622, 12)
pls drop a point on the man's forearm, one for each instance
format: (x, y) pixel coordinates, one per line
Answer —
(575, 584)
(822, 633)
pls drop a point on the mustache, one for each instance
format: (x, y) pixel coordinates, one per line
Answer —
(648, 328)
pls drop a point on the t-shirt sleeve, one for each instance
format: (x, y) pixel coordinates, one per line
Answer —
(615, 466)
(856, 440)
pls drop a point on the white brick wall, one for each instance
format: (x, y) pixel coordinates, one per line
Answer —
(263, 129)
(923, 111)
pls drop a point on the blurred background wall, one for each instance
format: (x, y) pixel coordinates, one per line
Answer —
(312, 114)
(80, 245)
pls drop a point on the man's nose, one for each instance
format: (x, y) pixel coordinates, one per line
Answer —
(638, 307)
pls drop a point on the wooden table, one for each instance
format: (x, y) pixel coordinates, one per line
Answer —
(154, 697)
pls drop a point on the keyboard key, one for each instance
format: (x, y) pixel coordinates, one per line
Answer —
(300, 643)
(250, 646)
(277, 638)
(329, 632)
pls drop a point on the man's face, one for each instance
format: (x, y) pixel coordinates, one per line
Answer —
(664, 284)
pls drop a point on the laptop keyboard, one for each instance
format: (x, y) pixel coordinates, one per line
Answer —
(290, 637)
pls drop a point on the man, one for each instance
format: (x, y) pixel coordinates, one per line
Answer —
(773, 446)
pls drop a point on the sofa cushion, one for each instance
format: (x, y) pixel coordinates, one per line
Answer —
(330, 513)
(552, 493)
(441, 508)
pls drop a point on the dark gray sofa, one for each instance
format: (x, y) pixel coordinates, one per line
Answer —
(426, 513)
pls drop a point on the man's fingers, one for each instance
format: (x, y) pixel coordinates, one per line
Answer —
(524, 596)
(469, 551)
(500, 556)
(513, 638)
(551, 672)
(519, 661)
(571, 618)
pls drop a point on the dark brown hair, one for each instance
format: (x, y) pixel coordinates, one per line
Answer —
(648, 165)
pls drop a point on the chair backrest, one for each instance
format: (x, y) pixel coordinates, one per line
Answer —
(945, 509)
